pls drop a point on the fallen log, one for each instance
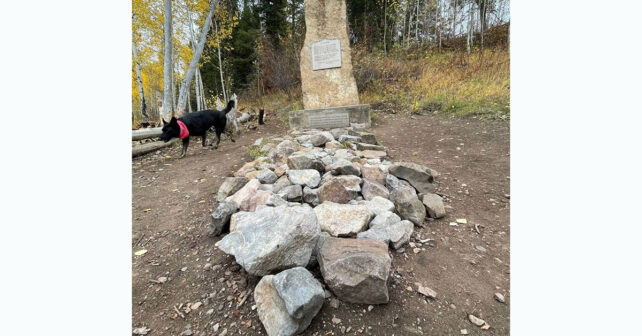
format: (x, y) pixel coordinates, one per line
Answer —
(244, 118)
(146, 133)
(151, 146)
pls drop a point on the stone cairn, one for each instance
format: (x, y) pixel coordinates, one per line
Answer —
(326, 198)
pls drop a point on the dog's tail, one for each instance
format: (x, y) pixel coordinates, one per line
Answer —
(229, 107)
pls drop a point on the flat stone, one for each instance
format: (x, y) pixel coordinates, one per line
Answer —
(221, 218)
(351, 183)
(434, 205)
(426, 291)
(273, 239)
(248, 197)
(245, 169)
(341, 220)
(499, 297)
(356, 270)
(417, 175)
(364, 146)
(408, 205)
(230, 186)
(266, 176)
(371, 189)
(307, 177)
(372, 154)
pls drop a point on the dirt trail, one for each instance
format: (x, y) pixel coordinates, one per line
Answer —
(173, 199)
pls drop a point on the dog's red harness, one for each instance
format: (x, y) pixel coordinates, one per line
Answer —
(184, 132)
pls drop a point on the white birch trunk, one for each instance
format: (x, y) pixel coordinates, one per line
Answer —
(470, 29)
(167, 63)
(180, 105)
(201, 89)
(197, 90)
(139, 80)
(197, 86)
(220, 64)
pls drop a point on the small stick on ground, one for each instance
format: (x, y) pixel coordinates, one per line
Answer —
(178, 312)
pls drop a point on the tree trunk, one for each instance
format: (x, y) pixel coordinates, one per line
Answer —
(139, 80)
(385, 26)
(201, 89)
(469, 36)
(220, 64)
(197, 85)
(180, 105)
(151, 146)
(454, 33)
(261, 114)
(167, 63)
(173, 84)
(417, 24)
(482, 22)
(146, 133)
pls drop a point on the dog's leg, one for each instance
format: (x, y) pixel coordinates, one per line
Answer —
(185, 144)
(203, 138)
(218, 140)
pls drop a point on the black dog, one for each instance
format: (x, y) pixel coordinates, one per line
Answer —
(196, 124)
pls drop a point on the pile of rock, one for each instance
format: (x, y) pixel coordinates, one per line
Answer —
(326, 197)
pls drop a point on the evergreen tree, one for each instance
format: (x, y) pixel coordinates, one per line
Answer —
(243, 54)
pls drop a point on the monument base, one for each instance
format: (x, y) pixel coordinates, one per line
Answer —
(357, 116)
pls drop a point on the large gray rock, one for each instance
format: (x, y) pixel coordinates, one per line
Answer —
(221, 218)
(393, 183)
(266, 176)
(356, 270)
(378, 205)
(333, 191)
(273, 239)
(307, 177)
(417, 175)
(371, 189)
(302, 160)
(275, 200)
(344, 167)
(230, 186)
(272, 311)
(248, 197)
(238, 217)
(434, 205)
(408, 205)
(292, 193)
(342, 220)
(396, 234)
(302, 293)
(311, 196)
(384, 219)
(337, 132)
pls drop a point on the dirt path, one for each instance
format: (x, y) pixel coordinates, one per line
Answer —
(173, 199)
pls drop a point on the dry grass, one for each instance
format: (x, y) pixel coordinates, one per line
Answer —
(447, 82)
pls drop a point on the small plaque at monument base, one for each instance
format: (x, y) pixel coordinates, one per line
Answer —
(326, 54)
(329, 120)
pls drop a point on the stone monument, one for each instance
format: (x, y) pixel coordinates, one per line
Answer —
(330, 95)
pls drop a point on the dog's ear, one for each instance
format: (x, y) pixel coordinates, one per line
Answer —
(164, 122)
(173, 121)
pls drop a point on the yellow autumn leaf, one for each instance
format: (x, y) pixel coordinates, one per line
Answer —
(147, 210)
(201, 201)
